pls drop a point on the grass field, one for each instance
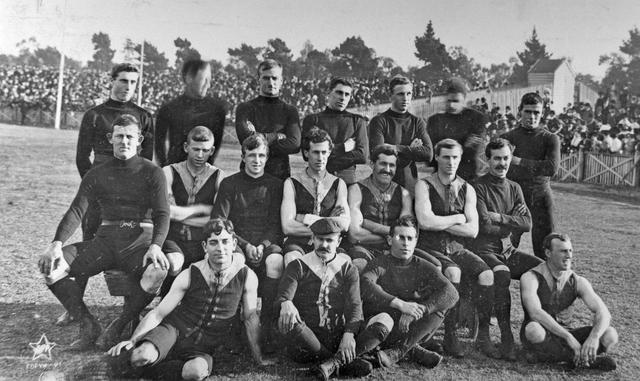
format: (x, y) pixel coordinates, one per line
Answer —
(38, 180)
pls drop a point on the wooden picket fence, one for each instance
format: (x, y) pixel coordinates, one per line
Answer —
(599, 168)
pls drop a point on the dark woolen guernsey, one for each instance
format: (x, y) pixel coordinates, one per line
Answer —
(460, 127)
(539, 150)
(253, 205)
(400, 129)
(498, 195)
(271, 116)
(97, 123)
(178, 117)
(413, 280)
(133, 189)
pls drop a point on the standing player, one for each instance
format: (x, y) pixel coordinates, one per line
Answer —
(447, 216)
(177, 338)
(465, 125)
(251, 199)
(132, 195)
(275, 119)
(502, 212)
(398, 127)
(311, 195)
(92, 138)
(348, 131)
(535, 160)
(374, 203)
(193, 108)
(547, 290)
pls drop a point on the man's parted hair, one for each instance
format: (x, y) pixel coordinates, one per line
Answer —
(446, 143)
(339, 81)
(546, 243)
(408, 221)
(398, 80)
(125, 120)
(191, 67)
(254, 141)
(200, 134)
(383, 149)
(530, 99)
(497, 144)
(316, 135)
(268, 64)
(126, 67)
(216, 226)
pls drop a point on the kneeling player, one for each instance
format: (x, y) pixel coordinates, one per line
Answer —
(177, 338)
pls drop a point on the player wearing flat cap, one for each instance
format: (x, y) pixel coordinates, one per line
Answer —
(320, 310)
(311, 195)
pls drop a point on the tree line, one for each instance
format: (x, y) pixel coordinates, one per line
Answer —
(351, 58)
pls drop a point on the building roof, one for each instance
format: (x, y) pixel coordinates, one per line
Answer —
(545, 65)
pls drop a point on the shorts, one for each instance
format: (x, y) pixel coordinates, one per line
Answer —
(167, 340)
(469, 264)
(192, 250)
(517, 261)
(114, 247)
(556, 349)
(302, 245)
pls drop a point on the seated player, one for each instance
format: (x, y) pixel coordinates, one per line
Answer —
(176, 339)
(374, 203)
(320, 310)
(547, 290)
(132, 195)
(311, 195)
(251, 199)
(192, 186)
(446, 212)
(502, 211)
(406, 296)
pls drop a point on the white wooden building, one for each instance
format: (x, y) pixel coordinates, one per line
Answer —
(556, 75)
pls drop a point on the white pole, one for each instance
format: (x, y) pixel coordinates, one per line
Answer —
(141, 73)
(59, 95)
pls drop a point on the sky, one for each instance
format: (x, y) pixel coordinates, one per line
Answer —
(490, 30)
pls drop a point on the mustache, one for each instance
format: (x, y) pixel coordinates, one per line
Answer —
(386, 173)
(322, 250)
(501, 167)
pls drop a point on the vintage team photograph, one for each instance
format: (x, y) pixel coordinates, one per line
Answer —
(315, 190)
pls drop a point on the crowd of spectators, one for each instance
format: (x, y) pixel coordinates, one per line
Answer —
(611, 126)
(35, 88)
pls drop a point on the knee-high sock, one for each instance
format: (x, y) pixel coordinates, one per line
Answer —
(308, 346)
(135, 303)
(269, 292)
(451, 319)
(371, 337)
(70, 295)
(484, 305)
(421, 330)
(502, 307)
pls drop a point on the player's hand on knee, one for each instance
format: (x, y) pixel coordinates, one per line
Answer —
(289, 316)
(155, 256)
(116, 349)
(411, 308)
(50, 259)
(251, 253)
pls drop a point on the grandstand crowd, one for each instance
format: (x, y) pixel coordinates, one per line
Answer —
(609, 126)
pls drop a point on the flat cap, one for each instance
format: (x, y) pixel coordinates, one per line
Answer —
(325, 226)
